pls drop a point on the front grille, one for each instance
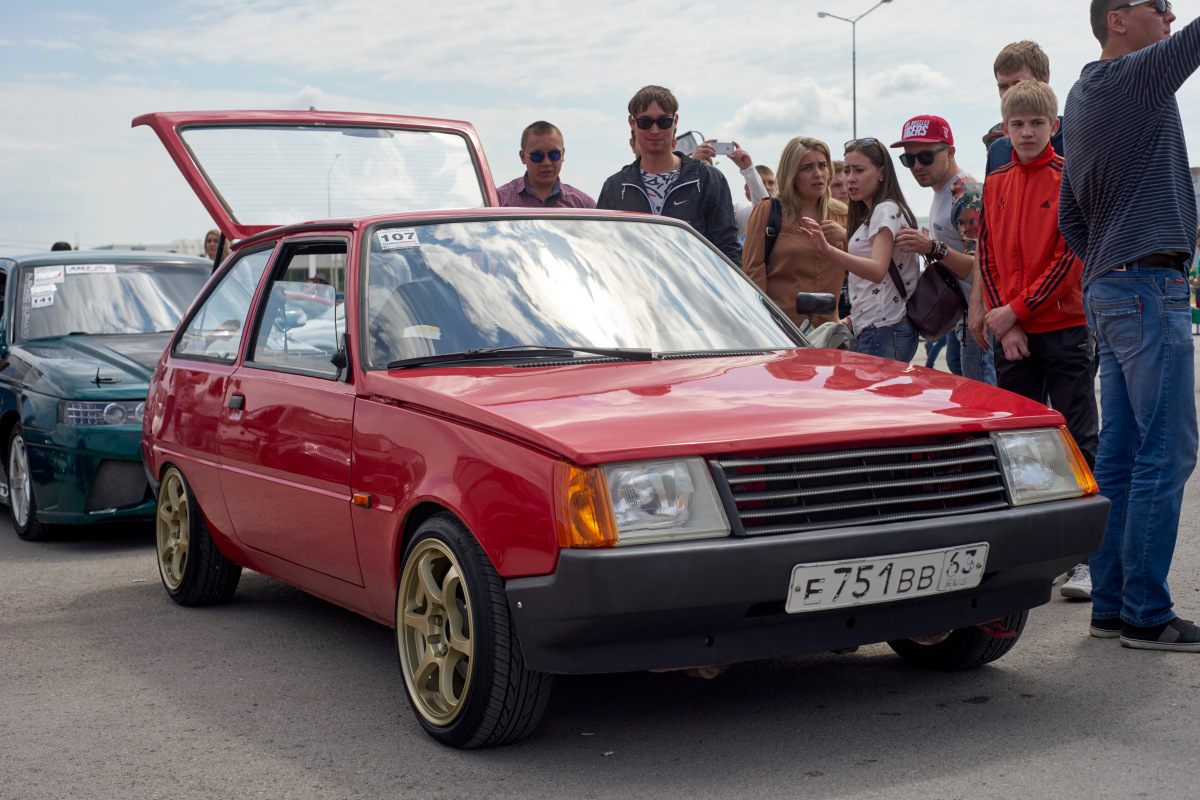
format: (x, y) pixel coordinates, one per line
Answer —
(864, 486)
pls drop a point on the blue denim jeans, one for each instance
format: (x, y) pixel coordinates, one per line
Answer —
(965, 357)
(897, 342)
(1148, 436)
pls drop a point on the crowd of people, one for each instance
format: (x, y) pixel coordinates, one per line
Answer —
(1072, 256)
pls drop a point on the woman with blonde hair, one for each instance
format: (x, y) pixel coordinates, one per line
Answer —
(878, 315)
(796, 264)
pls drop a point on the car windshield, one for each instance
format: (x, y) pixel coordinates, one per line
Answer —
(105, 298)
(445, 288)
(279, 174)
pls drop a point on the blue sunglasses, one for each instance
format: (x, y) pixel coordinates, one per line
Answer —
(537, 155)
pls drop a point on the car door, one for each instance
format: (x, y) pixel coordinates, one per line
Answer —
(285, 429)
(187, 404)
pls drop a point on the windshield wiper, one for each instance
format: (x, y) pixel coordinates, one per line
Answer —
(559, 351)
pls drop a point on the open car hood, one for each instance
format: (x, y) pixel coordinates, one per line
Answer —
(802, 398)
(257, 170)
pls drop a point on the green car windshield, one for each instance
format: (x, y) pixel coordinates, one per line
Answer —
(611, 283)
(104, 298)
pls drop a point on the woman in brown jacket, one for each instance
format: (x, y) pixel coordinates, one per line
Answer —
(803, 180)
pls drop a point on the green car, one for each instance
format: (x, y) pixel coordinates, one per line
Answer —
(79, 337)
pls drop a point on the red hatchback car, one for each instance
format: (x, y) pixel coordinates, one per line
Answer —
(542, 442)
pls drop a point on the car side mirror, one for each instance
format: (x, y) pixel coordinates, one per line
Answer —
(808, 303)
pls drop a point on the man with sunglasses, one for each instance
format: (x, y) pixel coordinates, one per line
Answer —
(542, 153)
(662, 181)
(1126, 207)
(953, 224)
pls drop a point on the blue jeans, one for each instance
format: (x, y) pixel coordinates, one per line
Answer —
(897, 342)
(965, 357)
(1148, 436)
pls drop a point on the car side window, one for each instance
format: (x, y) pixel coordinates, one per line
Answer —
(215, 331)
(303, 317)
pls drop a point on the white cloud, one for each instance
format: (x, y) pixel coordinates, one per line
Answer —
(805, 106)
(908, 79)
(52, 44)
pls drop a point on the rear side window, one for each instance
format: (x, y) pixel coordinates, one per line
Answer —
(216, 330)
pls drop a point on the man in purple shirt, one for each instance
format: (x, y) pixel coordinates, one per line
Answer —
(542, 153)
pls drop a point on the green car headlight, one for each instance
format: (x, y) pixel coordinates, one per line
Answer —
(87, 413)
(1043, 464)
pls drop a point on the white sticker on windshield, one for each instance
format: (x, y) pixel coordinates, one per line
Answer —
(398, 238)
(91, 269)
(42, 295)
(422, 332)
(48, 274)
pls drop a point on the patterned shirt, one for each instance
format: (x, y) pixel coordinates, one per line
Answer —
(954, 216)
(880, 304)
(658, 184)
(515, 194)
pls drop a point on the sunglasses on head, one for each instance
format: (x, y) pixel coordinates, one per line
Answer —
(536, 156)
(925, 157)
(867, 142)
(645, 123)
(1161, 7)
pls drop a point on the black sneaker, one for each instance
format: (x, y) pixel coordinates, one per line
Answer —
(1178, 635)
(1106, 628)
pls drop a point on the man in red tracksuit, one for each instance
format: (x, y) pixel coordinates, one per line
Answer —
(1031, 278)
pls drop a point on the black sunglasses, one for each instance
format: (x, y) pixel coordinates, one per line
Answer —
(1161, 7)
(536, 156)
(867, 142)
(925, 157)
(663, 123)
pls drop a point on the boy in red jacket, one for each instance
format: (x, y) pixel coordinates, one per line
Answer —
(1031, 279)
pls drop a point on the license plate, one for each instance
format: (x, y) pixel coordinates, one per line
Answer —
(835, 584)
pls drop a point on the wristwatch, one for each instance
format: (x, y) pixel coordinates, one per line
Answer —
(937, 250)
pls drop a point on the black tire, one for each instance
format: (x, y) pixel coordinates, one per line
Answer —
(193, 571)
(22, 505)
(965, 648)
(499, 700)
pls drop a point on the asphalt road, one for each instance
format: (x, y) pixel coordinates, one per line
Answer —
(110, 690)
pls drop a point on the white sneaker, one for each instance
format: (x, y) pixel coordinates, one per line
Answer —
(1079, 584)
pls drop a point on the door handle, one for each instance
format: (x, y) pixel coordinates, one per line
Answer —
(237, 402)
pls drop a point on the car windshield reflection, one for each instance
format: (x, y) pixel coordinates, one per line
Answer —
(435, 289)
(104, 298)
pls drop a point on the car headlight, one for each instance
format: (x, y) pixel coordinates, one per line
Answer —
(1043, 464)
(637, 502)
(117, 412)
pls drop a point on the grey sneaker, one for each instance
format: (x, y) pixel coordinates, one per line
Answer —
(1079, 584)
(1178, 635)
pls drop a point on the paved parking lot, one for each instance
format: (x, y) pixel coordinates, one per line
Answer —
(113, 691)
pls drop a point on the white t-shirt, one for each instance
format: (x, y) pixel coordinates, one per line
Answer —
(880, 304)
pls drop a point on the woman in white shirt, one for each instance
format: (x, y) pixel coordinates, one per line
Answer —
(878, 313)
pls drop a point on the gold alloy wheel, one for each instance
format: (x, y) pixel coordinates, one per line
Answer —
(433, 631)
(173, 529)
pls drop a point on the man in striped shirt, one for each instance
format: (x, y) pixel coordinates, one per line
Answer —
(542, 153)
(1127, 209)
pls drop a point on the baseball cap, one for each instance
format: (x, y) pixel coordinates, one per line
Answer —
(926, 129)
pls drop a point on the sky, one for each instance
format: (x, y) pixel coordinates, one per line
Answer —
(757, 72)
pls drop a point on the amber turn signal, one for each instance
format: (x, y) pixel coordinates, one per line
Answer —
(1083, 473)
(582, 509)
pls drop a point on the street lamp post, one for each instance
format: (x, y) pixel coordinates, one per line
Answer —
(853, 55)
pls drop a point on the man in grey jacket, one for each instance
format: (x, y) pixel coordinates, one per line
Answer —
(662, 181)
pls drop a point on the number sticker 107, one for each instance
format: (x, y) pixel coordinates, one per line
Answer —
(834, 584)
